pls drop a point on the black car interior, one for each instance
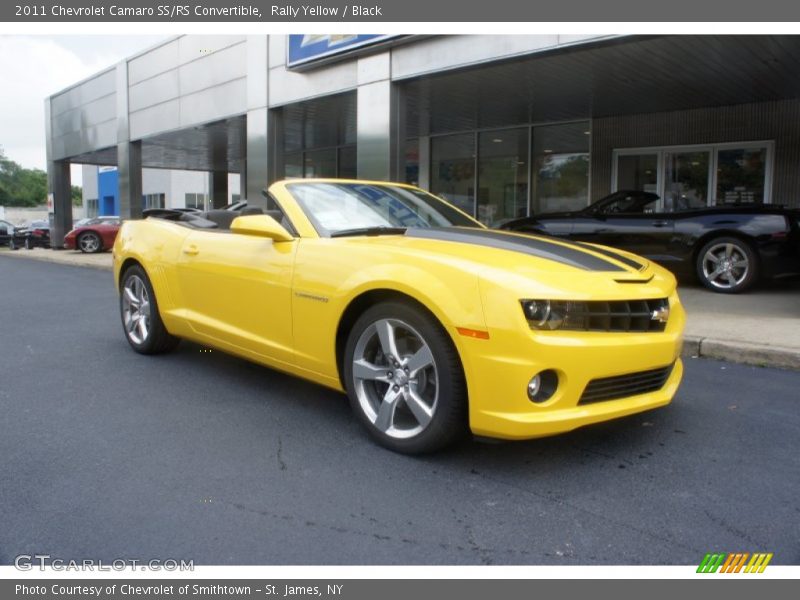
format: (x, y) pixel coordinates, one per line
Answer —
(218, 218)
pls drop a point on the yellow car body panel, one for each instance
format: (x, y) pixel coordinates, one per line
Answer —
(281, 304)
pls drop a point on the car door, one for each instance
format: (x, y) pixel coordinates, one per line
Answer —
(236, 289)
(630, 224)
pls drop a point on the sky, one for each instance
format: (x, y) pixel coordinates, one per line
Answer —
(34, 67)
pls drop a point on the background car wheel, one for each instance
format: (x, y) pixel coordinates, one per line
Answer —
(90, 242)
(727, 265)
(404, 379)
(28, 244)
(141, 321)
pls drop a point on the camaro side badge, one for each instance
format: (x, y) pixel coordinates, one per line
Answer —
(660, 314)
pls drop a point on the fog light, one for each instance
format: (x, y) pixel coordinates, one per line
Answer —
(542, 386)
(533, 386)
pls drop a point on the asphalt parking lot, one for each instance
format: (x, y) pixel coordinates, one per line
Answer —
(197, 455)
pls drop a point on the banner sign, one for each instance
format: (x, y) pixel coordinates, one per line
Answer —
(312, 48)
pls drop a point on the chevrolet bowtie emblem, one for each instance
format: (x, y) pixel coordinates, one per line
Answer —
(660, 314)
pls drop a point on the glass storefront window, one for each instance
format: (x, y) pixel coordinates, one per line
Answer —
(638, 172)
(561, 167)
(293, 165)
(320, 163)
(347, 162)
(741, 175)
(412, 162)
(453, 170)
(502, 174)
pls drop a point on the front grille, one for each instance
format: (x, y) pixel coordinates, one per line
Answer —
(622, 386)
(615, 315)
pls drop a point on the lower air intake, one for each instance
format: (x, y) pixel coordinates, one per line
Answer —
(623, 386)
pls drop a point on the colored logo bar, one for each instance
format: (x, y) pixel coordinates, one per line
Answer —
(735, 562)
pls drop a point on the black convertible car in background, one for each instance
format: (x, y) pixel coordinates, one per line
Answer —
(728, 247)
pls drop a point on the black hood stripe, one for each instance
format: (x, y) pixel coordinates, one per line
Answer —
(565, 254)
(611, 254)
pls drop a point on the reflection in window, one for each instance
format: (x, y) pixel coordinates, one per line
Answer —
(638, 172)
(320, 163)
(561, 167)
(685, 180)
(502, 174)
(453, 170)
(412, 162)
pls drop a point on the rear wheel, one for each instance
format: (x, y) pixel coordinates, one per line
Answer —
(29, 244)
(404, 379)
(727, 265)
(141, 321)
(90, 242)
(12, 245)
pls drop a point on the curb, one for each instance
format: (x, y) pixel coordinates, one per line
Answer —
(760, 355)
(55, 259)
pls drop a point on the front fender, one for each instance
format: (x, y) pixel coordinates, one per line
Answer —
(323, 290)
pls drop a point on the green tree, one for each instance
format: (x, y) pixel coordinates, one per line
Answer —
(25, 187)
(77, 195)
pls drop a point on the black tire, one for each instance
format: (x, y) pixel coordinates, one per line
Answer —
(29, 244)
(727, 265)
(90, 243)
(12, 245)
(440, 386)
(157, 339)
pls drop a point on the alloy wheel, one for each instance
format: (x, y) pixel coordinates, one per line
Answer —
(89, 243)
(395, 378)
(136, 309)
(725, 265)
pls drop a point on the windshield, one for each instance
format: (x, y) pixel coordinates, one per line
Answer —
(336, 207)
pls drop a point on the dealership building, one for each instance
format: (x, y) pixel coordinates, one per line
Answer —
(499, 125)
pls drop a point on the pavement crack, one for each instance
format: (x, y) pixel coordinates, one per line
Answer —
(279, 456)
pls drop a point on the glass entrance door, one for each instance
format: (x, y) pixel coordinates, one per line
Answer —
(697, 176)
(686, 177)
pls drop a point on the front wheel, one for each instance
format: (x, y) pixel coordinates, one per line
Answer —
(727, 265)
(404, 379)
(12, 245)
(28, 244)
(141, 321)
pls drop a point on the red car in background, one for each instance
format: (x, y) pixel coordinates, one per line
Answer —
(94, 235)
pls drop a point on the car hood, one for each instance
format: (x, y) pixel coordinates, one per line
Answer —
(483, 251)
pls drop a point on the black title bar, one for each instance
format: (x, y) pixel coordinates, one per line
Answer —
(440, 11)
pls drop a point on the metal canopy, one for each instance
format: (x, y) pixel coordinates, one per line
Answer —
(627, 75)
(215, 146)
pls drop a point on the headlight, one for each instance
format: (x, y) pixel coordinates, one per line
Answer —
(544, 314)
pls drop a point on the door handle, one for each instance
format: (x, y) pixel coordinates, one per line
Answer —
(660, 223)
(191, 250)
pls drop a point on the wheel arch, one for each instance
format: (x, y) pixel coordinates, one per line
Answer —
(369, 298)
(127, 264)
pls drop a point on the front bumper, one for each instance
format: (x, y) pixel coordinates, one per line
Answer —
(499, 369)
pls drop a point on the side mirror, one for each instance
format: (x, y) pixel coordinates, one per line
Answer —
(261, 226)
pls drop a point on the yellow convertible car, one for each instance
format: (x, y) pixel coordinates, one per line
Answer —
(432, 324)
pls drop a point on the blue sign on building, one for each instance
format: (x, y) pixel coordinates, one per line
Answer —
(307, 48)
(107, 191)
